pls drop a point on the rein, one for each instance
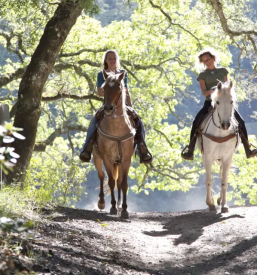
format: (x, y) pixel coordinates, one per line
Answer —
(218, 116)
(119, 140)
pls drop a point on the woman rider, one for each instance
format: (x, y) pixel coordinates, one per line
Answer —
(111, 63)
(208, 79)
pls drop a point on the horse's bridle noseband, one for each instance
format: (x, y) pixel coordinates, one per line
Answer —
(114, 108)
(215, 108)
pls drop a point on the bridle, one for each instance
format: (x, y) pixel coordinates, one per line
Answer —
(114, 109)
(216, 109)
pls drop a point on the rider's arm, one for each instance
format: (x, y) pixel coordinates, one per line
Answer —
(100, 91)
(128, 99)
(205, 92)
(100, 82)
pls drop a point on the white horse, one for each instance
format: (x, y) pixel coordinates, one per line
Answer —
(218, 140)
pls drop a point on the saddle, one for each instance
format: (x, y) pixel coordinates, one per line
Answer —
(134, 117)
(213, 138)
(206, 118)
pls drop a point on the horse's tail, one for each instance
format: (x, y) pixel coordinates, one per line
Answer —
(115, 172)
(107, 190)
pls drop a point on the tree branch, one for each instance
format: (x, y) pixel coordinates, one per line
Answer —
(4, 80)
(167, 102)
(41, 146)
(217, 6)
(75, 97)
(167, 139)
(174, 24)
(82, 73)
(82, 51)
(9, 47)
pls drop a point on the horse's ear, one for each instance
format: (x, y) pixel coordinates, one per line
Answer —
(121, 76)
(219, 86)
(231, 84)
(105, 74)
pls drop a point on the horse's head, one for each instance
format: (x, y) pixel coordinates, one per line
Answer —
(113, 88)
(223, 100)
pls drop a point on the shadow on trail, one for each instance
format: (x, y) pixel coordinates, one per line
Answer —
(88, 258)
(189, 226)
(63, 214)
(226, 259)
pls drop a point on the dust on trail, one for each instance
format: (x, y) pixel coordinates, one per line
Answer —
(74, 241)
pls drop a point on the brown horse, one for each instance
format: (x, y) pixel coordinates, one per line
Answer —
(115, 143)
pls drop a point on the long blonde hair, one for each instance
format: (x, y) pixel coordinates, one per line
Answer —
(104, 63)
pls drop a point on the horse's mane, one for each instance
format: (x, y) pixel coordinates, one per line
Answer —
(112, 77)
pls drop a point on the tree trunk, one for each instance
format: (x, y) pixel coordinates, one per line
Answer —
(33, 81)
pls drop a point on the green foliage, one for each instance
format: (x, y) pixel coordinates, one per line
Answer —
(15, 203)
(158, 48)
(243, 179)
(90, 7)
(55, 178)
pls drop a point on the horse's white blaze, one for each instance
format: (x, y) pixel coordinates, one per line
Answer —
(111, 84)
(223, 100)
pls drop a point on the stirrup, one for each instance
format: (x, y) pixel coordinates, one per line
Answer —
(147, 160)
(252, 154)
(85, 158)
(250, 144)
(146, 153)
(85, 155)
(185, 156)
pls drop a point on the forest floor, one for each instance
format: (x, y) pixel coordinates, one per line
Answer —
(74, 241)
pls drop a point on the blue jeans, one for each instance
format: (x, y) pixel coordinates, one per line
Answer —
(91, 130)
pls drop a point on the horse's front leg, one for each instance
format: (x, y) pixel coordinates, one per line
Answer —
(99, 166)
(208, 183)
(119, 180)
(124, 187)
(224, 186)
(113, 210)
(112, 176)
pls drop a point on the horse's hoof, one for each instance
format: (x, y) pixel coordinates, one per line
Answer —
(101, 206)
(218, 201)
(212, 208)
(124, 214)
(113, 211)
(224, 209)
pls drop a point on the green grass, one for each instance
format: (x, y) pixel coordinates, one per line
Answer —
(15, 203)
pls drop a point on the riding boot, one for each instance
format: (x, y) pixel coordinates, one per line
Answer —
(144, 154)
(85, 155)
(249, 153)
(189, 154)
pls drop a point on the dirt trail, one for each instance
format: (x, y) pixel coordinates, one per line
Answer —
(73, 241)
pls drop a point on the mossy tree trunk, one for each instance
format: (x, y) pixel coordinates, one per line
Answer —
(34, 79)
